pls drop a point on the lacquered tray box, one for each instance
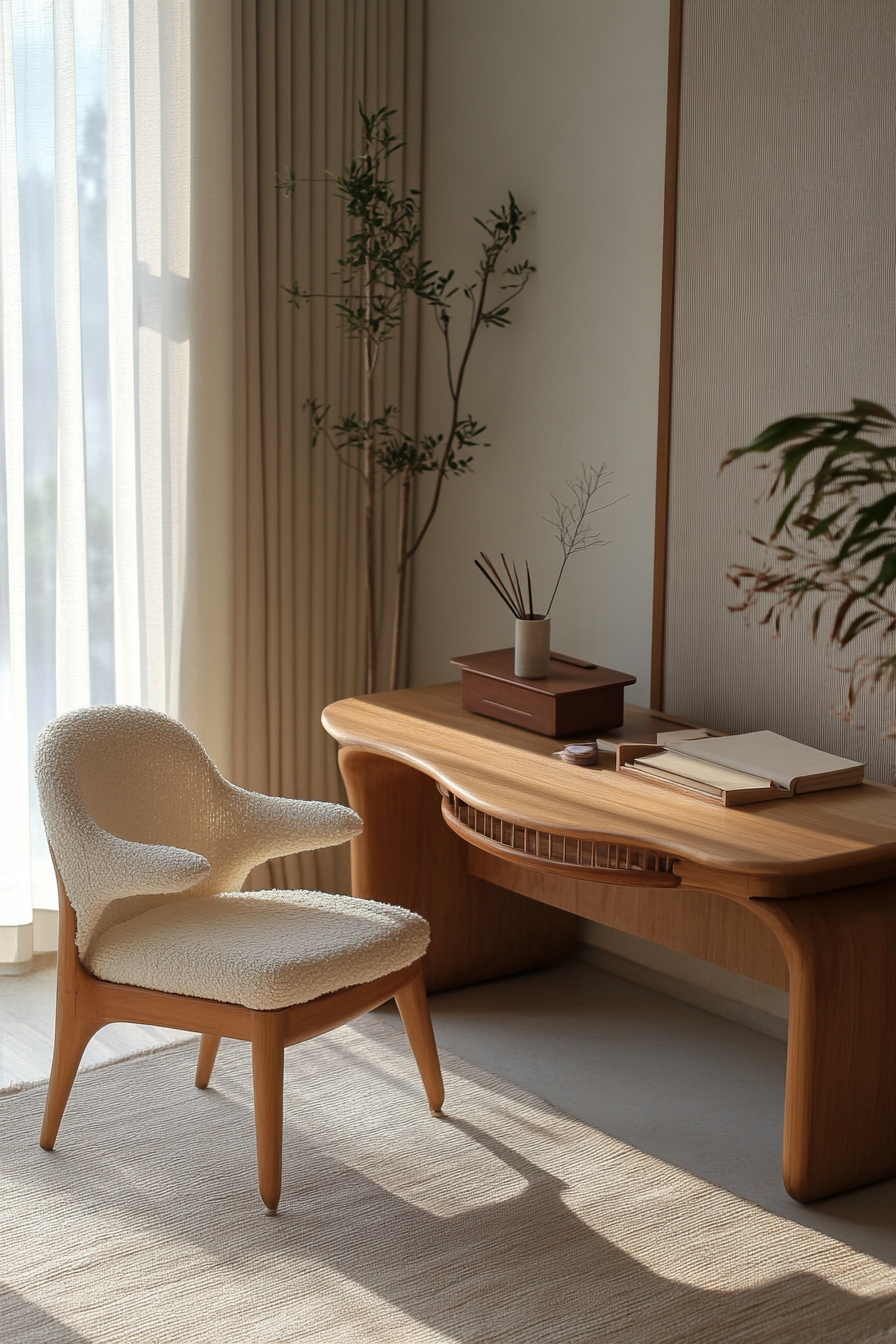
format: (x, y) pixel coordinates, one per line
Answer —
(574, 698)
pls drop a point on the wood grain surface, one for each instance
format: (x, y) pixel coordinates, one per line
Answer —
(840, 1098)
(404, 752)
(814, 842)
(407, 856)
(667, 335)
(84, 1004)
(700, 923)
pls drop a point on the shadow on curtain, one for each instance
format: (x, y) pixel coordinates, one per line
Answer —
(300, 71)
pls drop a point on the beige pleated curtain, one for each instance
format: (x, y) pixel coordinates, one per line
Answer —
(301, 68)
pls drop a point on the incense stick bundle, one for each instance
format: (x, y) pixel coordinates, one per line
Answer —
(497, 584)
(510, 590)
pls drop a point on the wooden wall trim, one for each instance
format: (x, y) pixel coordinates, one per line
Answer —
(667, 317)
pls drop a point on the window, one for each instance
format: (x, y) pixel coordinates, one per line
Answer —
(94, 395)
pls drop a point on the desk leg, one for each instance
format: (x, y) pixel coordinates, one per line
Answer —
(840, 1104)
(408, 856)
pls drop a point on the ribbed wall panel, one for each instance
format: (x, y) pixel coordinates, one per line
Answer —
(785, 301)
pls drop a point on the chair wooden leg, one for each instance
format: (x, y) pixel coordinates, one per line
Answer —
(71, 1041)
(208, 1049)
(267, 1081)
(414, 1010)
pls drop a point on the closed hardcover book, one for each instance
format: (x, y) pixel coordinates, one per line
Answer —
(791, 765)
(715, 779)
(743, 768)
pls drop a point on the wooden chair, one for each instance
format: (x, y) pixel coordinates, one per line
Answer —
(147, 839)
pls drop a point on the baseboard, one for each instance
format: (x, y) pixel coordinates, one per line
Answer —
(737, 998)
(41, 961)
(28, 947)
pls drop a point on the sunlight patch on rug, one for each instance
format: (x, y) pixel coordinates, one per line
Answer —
(505, 1223)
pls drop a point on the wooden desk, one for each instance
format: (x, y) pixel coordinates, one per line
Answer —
(466, 818)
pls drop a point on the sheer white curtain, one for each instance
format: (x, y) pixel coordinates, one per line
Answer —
(94, 395)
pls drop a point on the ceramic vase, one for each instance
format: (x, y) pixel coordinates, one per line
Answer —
(532, 648)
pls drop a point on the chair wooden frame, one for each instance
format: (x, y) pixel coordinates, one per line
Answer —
(84, 1004)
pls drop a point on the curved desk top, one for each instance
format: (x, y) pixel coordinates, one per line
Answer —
(812, 843)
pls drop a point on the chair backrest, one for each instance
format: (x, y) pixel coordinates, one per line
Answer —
(140, 776)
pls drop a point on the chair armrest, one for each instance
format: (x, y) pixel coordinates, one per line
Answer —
(127, 867)
(99, 869)
(276, 826)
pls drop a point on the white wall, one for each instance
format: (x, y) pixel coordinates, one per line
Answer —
(562, 102)
(784, 304)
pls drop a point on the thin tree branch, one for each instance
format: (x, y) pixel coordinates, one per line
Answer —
(455, 417)
(334, 444)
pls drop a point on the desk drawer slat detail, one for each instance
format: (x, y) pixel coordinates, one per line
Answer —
(571, 851)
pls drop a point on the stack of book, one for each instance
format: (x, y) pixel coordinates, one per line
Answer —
(744, 768)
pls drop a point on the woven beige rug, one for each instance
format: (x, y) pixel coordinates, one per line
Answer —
(506, 1221)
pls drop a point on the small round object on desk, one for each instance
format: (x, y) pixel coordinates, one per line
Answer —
(581, 753)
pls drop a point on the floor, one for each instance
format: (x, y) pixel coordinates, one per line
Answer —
(27, 1016)
(699, 1092)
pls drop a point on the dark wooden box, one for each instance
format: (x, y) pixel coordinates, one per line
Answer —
(574, 698)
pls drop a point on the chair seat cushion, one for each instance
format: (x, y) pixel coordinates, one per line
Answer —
(262, 949)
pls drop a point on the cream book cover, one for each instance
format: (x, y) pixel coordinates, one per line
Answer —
(703, 772)
(790, 765)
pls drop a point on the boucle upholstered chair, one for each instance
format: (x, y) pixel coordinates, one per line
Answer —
(151, 847)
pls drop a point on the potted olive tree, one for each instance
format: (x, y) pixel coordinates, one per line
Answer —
(380, 271)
